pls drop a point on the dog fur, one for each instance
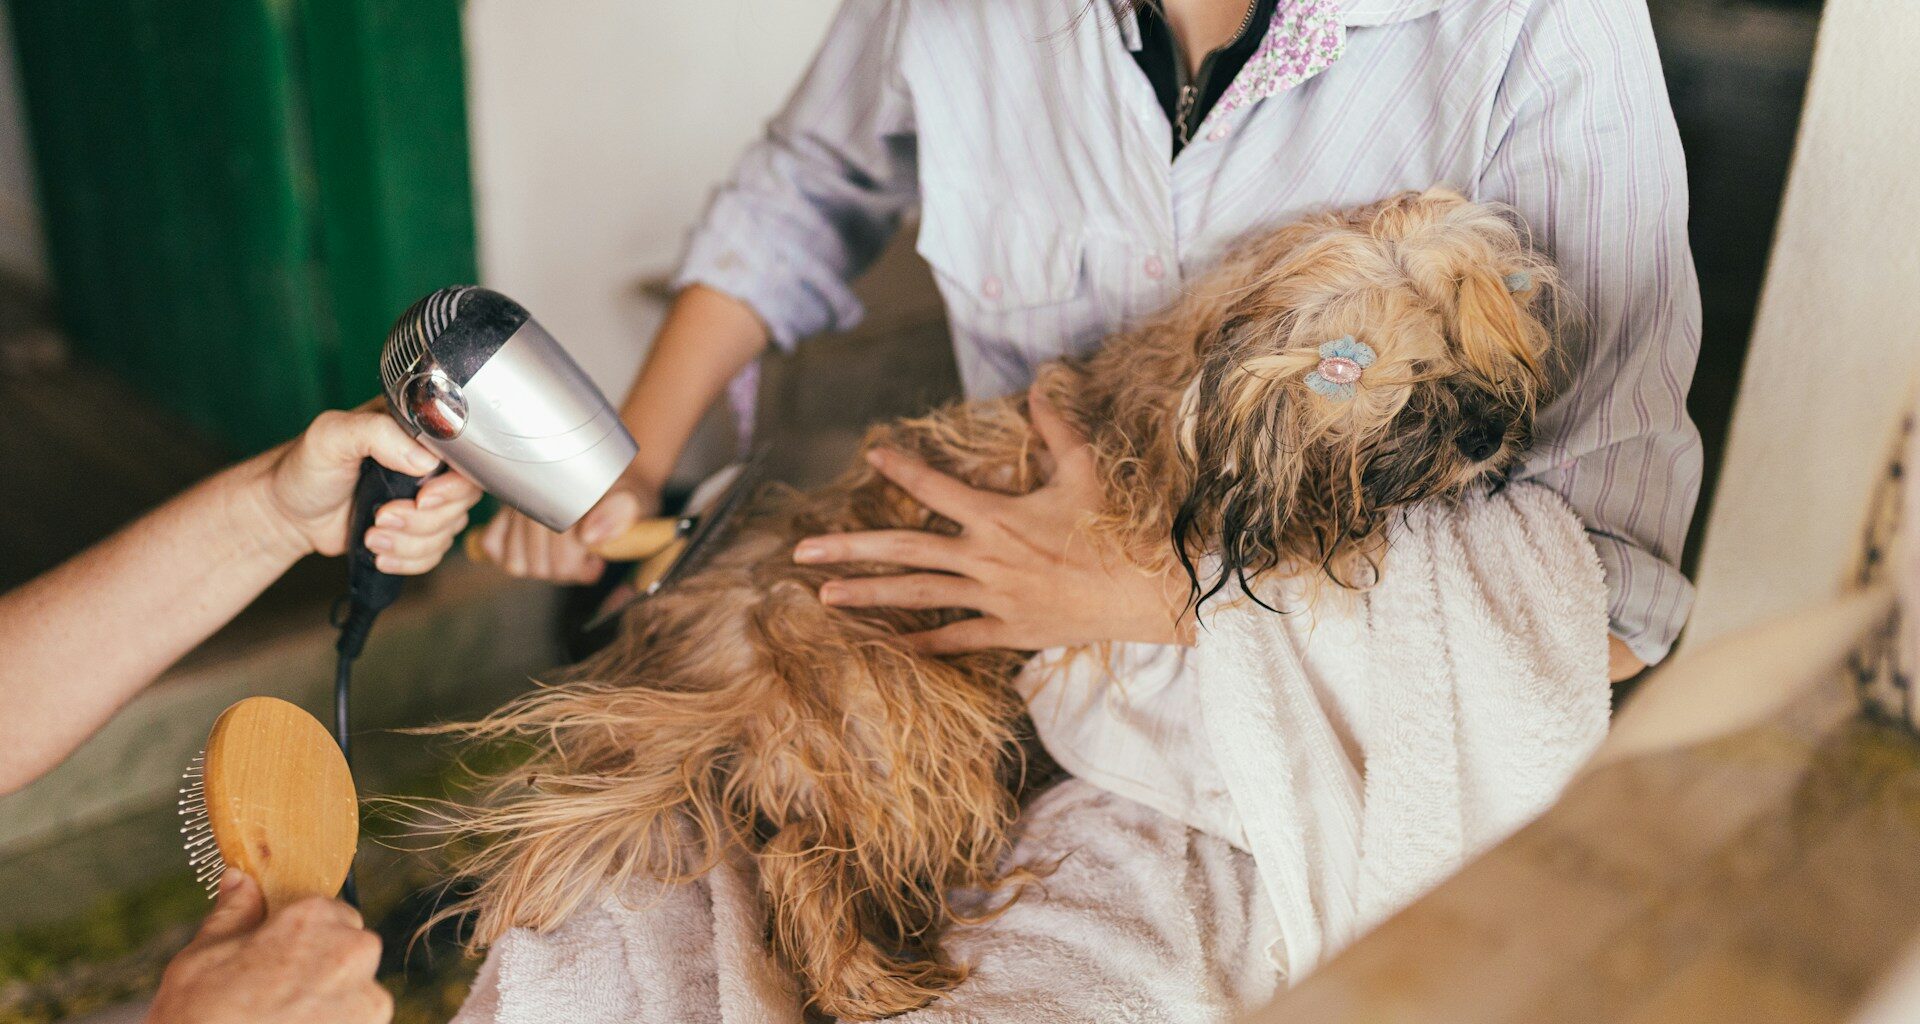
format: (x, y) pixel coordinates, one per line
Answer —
(737, 715)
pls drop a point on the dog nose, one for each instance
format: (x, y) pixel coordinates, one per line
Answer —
(1481, 441)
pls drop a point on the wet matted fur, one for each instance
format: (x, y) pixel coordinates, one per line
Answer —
(738, 716)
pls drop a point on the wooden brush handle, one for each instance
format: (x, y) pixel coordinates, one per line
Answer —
(641, 540)
(280, 800)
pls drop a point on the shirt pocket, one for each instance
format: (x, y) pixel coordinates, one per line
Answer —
(1001, 262)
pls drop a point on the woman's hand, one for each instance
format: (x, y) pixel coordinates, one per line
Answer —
(523, 547)
(309, 485)
(1027, 564)
(311, 963)
(1622, 663)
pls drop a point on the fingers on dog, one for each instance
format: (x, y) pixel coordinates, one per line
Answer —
(960, 637)
(916, 549)
(1070, 450)
(928, 486)
(905, 590)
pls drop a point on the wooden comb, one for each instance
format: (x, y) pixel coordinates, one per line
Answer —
(271, 796)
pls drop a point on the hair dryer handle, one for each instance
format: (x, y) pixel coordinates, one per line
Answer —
(369, 591)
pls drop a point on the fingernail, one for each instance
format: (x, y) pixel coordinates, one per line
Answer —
(808, 551)
(229, 879)
(831, 592)
(431, 499)
(379, 542)
(875, 456)
(389, 519)
(423, 461)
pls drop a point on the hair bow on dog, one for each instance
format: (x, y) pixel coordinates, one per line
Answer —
(1342, 361)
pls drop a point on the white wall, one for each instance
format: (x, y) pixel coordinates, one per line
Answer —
(22, 250)
(599, 129)
(1837, 343)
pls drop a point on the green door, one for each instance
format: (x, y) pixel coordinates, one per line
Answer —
(241, 195)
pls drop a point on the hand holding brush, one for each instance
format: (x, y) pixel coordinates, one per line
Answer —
(310, 963)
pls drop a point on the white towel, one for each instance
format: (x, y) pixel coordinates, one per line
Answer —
(1361, 749)
(1144, 919)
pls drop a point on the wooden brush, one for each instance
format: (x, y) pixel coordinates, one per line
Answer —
(271, 796)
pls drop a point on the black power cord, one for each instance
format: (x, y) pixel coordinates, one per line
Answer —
(369, 592)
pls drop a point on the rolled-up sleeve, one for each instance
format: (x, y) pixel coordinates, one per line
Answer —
(1583, 145)
(812, 203)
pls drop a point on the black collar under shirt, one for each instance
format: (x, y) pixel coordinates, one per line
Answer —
(1188, 99)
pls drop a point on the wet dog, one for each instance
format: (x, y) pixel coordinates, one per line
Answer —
(1269, 422)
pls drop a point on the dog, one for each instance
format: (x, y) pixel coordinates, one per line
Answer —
(1269, 422)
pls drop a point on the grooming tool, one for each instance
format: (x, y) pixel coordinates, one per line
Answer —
(636, 542)
(712, 512)
(481, 384)
(271, 796)
(477, 381)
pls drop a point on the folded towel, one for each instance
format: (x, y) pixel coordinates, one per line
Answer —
(1361, 748)
(1143, 919)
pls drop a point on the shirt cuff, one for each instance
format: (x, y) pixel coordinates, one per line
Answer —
(1649, 601)
(771, 271)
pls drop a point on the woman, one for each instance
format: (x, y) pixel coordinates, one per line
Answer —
(1073, 162)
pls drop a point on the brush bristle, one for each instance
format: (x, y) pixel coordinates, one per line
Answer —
(203, 853)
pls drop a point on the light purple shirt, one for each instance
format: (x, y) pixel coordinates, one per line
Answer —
(1036, 154)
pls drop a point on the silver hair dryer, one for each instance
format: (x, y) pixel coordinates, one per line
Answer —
(482, 385)
(485, 387)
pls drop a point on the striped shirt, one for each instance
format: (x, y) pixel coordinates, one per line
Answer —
(1032, 147)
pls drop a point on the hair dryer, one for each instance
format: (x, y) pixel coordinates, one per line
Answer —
(476, 379)
(481, 384)
(471, 374)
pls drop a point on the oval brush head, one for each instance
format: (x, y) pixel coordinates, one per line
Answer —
(271, 796)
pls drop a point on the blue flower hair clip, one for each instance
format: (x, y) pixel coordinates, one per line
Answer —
(1342, 361)
(1518, 281)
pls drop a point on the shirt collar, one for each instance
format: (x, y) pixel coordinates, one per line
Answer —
(1304, 38)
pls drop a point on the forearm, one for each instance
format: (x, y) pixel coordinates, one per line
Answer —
(116, 616)
(707, 338)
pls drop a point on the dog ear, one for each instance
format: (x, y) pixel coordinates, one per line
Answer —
(1490, 327)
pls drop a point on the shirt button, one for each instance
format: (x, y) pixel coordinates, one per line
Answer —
(990, 287)
(1155, 269)
(1216, 135)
